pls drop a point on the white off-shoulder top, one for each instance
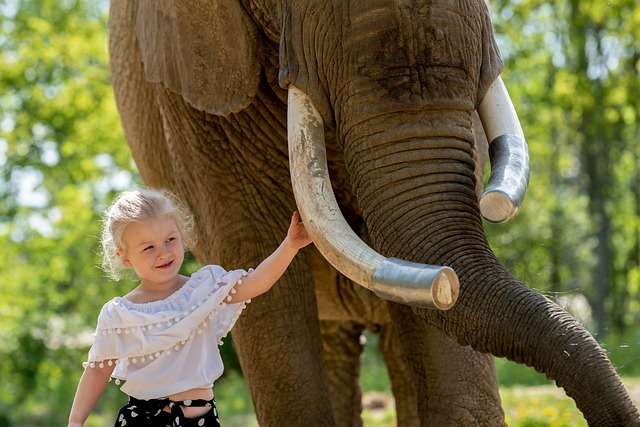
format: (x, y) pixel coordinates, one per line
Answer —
(171, 345)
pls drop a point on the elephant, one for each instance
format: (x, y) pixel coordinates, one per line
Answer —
(360, 115)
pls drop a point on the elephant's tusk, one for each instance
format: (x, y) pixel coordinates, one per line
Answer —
(508, 154)
(392, 279)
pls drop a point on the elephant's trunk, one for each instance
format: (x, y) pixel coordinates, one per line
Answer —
(427, 183)
(510, 320)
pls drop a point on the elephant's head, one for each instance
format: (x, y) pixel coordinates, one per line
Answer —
(397, 83)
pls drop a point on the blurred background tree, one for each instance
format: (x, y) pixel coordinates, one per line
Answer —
(572, 69)
(62, 155)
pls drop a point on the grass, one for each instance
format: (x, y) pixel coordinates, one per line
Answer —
(544, 405)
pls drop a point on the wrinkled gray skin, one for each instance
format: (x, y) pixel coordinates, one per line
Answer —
(199, 87)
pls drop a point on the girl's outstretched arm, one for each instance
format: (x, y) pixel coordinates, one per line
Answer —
(90, 388)
(274, 266)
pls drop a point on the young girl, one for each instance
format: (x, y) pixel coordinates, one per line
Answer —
(162, 337)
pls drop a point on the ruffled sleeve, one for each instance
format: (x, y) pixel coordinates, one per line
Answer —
(139, 333)
(226, 314)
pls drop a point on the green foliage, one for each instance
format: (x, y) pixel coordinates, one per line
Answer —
(373, 374)
(232, 396)
(511, 374)
(572, 70)
(62, 155)
(622, 350)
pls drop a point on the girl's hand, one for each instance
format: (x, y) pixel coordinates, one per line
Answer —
(297, 235)
(273, 267)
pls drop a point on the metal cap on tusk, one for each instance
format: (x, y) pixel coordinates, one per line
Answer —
(395, 280)
(420, 285)
(508, 155)
(509, 178)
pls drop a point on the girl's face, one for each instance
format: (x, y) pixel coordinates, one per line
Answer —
(153, 248)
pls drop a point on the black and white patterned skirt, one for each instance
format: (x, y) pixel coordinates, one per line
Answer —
(139, 413)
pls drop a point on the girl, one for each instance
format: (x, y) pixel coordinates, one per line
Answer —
(162, 337)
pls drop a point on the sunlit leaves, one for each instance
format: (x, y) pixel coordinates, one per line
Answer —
(572, 70)
(61, 145)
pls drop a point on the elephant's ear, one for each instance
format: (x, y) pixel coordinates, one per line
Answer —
(492, 64)
(207, 51)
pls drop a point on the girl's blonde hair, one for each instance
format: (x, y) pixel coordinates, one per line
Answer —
(136, 206)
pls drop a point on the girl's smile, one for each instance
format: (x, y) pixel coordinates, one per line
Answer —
(166, 265)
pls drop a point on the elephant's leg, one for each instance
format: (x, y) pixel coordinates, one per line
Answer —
(456, 385)
(280, 351)
(401, 377)
(342, 351)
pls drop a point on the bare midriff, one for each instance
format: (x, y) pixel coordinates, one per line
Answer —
(193, 394)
